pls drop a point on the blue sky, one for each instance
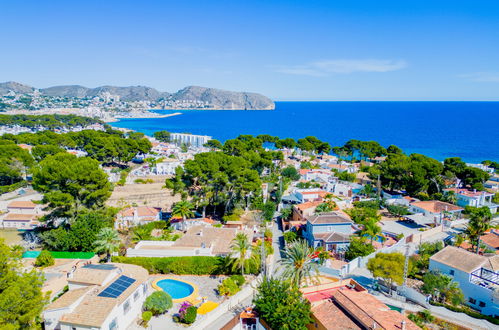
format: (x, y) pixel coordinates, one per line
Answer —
(288, 50)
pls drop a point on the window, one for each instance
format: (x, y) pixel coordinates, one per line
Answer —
(481, 304)
(113, 325)
(472, 301)
(451, 272)
(145, 288)
(136, 295)
(126, 306)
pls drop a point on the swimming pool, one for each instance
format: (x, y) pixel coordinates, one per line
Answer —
(176, 289)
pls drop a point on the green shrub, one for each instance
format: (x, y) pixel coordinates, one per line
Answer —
(198, 265)
(123, 176)
(146, 317)
(44, 259)
(228, 287)
(190, 315)
(238, 279)
(158, 302)
(290, 236)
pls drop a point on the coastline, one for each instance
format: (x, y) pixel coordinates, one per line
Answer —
(140, 115)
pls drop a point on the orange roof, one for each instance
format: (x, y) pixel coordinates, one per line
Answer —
(468, 193)
(332, 317)
(25, 146)
(307, 205)
(436, 206)
(491, 239)
(304, 171)
(142, 211)
(367, 310)
(21, 205)
(319, 192)
(20, 217)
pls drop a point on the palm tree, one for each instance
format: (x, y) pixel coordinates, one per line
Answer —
(107, 241)
(297, 263)
(240, 247)
(183, 209)
(372, 230)
(478, 224)
(140, 234)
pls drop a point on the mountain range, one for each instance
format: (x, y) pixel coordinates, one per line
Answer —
(214, 98)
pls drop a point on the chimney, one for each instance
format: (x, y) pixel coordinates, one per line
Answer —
(402, 325)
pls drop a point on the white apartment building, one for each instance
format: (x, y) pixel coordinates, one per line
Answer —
(190, 139)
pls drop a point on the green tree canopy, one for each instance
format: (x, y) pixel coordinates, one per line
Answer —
(71, 184)
(388, 266)
(443, 288)
(359, 247)
(21, 297)
(163, 136)
(282, 305)
(158, 302)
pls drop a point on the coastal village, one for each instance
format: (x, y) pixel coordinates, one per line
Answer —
(177, 231)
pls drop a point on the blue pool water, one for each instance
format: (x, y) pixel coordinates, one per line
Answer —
(436, 129)
(378, 238)
(176, 289)
(31, 254)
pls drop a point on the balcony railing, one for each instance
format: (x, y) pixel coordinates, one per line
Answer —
(485, 278)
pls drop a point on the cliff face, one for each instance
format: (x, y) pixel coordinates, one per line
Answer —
(192, 96)
(224, 99)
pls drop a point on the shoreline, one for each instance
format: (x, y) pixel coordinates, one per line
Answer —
(140, 115)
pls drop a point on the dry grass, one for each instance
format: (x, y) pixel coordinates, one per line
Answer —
(150, 194)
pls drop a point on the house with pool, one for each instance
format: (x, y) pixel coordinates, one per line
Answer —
(331, 230)
(100, 296)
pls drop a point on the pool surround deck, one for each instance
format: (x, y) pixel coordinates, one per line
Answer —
(193, 295)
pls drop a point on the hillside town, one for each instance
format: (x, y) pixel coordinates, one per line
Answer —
(126, 231)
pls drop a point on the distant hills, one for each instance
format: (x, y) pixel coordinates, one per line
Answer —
(211, 98)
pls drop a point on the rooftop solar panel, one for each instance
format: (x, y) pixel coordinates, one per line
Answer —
(117, 287)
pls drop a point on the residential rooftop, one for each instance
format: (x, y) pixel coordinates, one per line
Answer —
(459, 259)
(330, 218)
(436, 206)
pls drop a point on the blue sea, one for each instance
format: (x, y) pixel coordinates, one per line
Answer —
(469, 130)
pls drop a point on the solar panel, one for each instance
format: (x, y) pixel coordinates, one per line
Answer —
(117, 287)
(101, 267)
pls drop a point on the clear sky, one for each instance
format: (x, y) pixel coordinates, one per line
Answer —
(288, 50)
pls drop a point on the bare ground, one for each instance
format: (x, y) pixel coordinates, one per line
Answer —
(149, 194)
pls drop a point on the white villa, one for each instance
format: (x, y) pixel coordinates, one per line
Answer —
(100, 296)
(477, 275)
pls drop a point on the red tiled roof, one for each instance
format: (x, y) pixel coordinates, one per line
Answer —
(467, 192)
(436, 206)
(367, 310)
(22, 205)
(20, 217)
(491, 239)
(307, 205)
(142, 211)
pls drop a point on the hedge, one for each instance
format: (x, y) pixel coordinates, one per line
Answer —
(469, 312)
(61, 254)
(198, 265)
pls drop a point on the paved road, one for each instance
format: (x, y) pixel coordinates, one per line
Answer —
(278, 245)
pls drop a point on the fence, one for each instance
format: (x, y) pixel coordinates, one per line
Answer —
(419, 237)
(362, 261)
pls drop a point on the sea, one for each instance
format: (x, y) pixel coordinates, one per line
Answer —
(469, 130)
